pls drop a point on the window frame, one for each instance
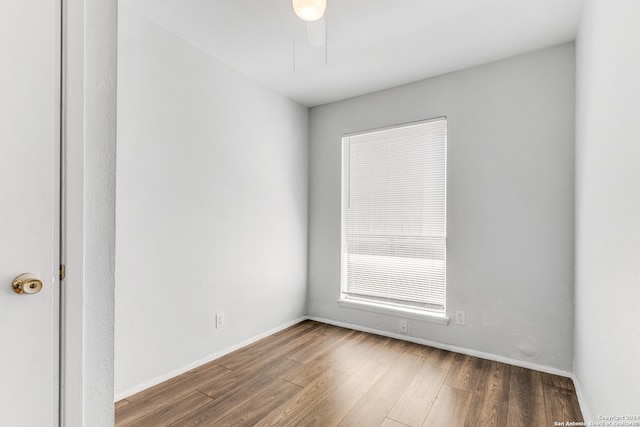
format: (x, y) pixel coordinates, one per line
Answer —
(371, 305)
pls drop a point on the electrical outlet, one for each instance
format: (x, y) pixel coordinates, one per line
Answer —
(403, 326)
(219, 320)
(461, 318)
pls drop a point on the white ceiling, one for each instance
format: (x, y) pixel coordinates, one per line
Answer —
(372, 44)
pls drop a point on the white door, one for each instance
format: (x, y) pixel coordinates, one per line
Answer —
(29, 210)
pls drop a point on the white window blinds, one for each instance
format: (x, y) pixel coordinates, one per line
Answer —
(394, 215)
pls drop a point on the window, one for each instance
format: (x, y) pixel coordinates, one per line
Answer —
(394, 217)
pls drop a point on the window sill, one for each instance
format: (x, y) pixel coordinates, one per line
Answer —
(406, 313)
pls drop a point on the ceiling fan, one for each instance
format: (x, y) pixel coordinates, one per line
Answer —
(313, 13)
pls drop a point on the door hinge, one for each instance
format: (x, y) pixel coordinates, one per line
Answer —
(63, 271)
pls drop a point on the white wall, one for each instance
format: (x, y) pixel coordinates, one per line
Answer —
(510, 204)
(607, 340)
(211, 206)
(90, 47)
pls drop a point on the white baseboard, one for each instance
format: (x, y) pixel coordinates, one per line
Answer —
(145, 385)
(470, 352)
(582, 400)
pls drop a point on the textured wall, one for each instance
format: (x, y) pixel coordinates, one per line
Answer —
(510, 203)
(608, 209)
(90, 150)
(212, 206)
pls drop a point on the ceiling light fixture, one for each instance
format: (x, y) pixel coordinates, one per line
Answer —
(309, 10)
(309, 16)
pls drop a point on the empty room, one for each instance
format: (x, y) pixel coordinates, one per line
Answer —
(326, 213)
(256, 188)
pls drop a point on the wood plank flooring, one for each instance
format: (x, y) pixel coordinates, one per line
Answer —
(313, 374)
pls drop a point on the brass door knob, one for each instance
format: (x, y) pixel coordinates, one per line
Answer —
(27, 283)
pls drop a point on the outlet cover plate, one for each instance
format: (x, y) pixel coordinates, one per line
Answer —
(219, 320)
(461, 318)
(403, 326)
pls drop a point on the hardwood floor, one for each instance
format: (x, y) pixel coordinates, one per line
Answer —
(314, 374)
